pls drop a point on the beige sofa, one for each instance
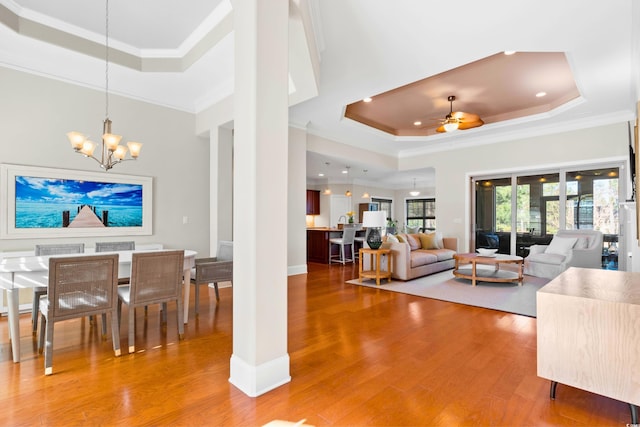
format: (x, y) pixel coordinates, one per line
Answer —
(409, 261)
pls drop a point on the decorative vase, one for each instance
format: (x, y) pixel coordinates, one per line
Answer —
(350, 220)
(374, 238)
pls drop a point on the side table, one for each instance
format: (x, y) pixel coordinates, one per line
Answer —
(375, 255)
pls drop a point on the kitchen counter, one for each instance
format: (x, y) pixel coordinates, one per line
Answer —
(318, 243)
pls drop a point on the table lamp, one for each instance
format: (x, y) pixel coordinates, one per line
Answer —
(374, 221)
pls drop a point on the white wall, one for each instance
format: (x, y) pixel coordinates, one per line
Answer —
(36, 113)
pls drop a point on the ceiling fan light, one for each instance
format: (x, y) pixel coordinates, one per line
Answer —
(450, 126)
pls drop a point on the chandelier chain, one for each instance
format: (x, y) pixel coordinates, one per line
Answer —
(106, 71)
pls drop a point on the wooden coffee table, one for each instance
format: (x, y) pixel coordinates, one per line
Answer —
(468, 262)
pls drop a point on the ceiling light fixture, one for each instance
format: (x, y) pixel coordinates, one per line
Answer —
(367, 99)
(348, 192)
(112, 152)
(327, 190)
(451, 123)
(365, 195)
(541, 94)
(414, 192)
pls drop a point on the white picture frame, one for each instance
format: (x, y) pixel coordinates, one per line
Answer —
(110, 190)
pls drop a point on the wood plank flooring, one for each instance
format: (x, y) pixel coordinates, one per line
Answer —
(359, 357)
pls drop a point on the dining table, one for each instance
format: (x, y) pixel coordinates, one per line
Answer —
(29, 271)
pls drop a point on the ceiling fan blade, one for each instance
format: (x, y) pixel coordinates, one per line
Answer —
(468, 125)
(467, 117)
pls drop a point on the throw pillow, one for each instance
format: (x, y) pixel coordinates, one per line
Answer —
(428, 240)
(402, 238)
(560, 245)
(414, 241)
(392, 238)
(439, 240)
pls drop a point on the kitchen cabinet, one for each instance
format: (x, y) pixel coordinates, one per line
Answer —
(363, 207)
(313, 202)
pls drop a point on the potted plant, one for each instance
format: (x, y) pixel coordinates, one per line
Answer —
(392, 224)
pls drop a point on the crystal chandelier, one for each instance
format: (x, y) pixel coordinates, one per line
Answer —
(111, 152)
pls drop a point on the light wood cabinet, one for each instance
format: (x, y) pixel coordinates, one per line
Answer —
(588, 334)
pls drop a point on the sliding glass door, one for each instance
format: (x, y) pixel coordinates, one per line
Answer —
(516, 211)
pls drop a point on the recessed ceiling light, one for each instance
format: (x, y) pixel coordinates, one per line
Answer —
(320, 174)
(367, 99)
(509, 52)
(417, 123)
(541, 94)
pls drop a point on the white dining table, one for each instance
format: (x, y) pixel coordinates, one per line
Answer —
(22, 272)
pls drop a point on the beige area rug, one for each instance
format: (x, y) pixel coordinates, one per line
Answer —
(508, 297)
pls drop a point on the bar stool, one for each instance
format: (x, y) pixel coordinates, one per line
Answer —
(348, 236)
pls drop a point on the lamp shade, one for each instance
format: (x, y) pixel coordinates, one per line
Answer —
(374, 219)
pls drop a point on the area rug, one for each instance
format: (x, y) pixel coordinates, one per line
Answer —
(508, 297)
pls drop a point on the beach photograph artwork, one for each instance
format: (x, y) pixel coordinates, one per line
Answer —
(56, 203)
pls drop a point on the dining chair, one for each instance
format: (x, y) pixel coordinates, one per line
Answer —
(115, 246)
(213, 270)
(156, 278)
(347, 239)
(79, 286)
(38, 291)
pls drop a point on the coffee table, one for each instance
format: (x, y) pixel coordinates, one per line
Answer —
(468, 262)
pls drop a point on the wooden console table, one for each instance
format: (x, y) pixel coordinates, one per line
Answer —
(588, 335)
(375, 255)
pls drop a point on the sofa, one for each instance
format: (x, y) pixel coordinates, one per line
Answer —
(568, 248)
(419, 254)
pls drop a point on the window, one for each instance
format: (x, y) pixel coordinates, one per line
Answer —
(538, 205)
(384, 205)
(421, 213)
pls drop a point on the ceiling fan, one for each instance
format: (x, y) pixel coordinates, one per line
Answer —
(459, 120)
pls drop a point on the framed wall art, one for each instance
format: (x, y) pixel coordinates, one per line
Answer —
(47, 202)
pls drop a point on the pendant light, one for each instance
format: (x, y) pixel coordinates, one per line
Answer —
(365, 195)
(348, 192)
(327, 190)
(414, 192)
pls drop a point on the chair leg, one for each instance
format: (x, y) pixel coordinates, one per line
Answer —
(215, 286)
(35, 310)
(48, 347)
(197, 301)
(180, 317)
(164, 313)
(132, 330)
(104, 326)
(115, 332)
(43, 325)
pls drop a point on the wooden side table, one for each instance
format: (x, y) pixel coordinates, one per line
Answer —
(375, 255)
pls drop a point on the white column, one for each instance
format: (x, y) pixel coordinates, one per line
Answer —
(260, 361)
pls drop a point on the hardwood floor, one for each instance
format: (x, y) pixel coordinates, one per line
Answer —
(359, 356)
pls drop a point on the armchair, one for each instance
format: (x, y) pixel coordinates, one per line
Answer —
(568, 248)
(213, 270)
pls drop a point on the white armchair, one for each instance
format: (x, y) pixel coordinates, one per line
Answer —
(568, 248)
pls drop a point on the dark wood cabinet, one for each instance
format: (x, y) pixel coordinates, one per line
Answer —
(363, 207)
(313, 202)
(318, 246)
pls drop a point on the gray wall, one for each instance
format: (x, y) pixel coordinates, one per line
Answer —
(37, 112)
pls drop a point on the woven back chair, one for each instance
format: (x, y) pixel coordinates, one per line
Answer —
(38, 291)
(213, 270)
(156, 278)
(115, 246)
(79, 286)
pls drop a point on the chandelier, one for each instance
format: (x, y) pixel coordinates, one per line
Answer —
(111, 152)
